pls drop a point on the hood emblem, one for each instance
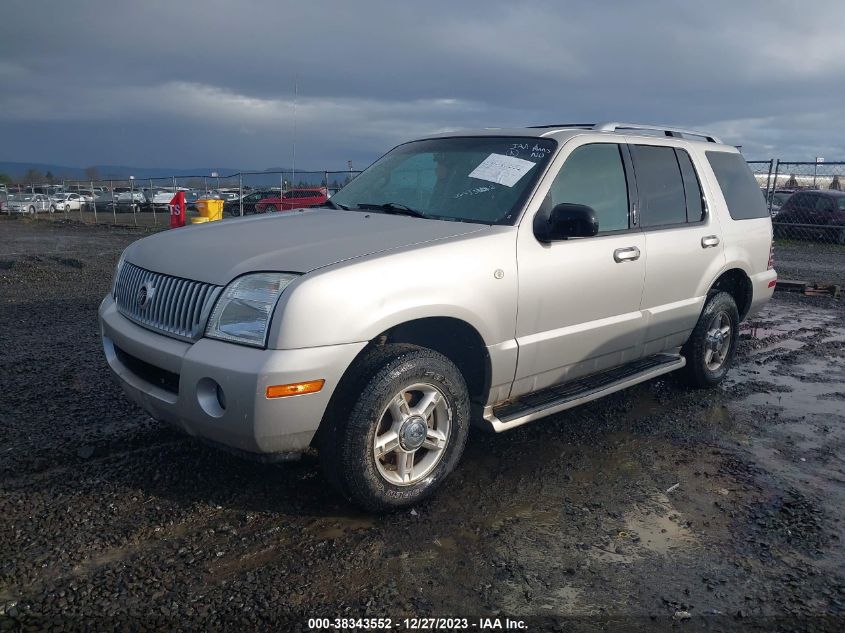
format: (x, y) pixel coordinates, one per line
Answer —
(145, 294)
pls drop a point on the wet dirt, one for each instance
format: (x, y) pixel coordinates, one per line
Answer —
(726, 504)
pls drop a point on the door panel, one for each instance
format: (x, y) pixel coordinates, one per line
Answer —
(684, 244)
(579, 299)
(678, 274)
(578, 308)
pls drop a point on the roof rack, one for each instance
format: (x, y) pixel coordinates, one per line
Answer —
(668, 131)
(562, 125)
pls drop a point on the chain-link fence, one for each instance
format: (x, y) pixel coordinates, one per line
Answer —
(807, 205)
(803, 197)
(145, 202)
(807, 202)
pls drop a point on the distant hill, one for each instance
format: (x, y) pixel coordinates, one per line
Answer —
(17, 171)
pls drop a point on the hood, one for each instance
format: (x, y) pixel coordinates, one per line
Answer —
(298, 241)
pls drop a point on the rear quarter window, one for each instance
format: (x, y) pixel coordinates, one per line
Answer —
(741, 192)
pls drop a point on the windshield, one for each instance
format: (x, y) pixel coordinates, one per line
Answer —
(471, 179)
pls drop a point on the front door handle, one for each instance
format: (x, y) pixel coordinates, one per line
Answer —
(628, 254)
(709, 241)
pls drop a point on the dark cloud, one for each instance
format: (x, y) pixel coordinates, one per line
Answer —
(191, 83)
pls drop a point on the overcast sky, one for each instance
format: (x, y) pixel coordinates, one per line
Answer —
(190, 83)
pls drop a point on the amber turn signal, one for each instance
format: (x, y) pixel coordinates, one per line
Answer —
(295, 389)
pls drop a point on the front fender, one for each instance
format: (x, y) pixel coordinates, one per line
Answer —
(357, 300)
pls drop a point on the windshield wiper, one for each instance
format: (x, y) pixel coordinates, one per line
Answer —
(393, 207)
(335, 205)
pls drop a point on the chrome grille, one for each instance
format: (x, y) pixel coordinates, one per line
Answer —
(170, 305)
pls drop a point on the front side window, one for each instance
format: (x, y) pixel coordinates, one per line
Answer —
(660, 185)
(593, 175)
(470, 179)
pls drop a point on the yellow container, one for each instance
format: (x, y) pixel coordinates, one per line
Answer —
(211, 209)
(198, 220)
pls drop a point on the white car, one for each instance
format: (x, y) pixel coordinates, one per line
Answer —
(31, 203)
(87, 196)
(68, 201)
(130, 197)
(161, 198)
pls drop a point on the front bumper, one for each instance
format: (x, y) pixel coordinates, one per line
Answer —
(187, 394)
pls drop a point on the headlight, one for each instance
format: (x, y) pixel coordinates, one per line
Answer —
(242, 313)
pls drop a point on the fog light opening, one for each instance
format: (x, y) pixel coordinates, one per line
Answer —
(211, 397)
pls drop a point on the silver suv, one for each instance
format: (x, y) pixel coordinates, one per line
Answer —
(493, 277)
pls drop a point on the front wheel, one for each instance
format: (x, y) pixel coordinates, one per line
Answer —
(397, 428)
(711, 346)
(31, 210)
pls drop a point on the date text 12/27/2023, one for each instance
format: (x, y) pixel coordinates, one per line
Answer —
(417, 624)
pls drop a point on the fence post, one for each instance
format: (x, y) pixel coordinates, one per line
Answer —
(774, 184)
(769, 190)
(94, 201)
(152, 202)
(132, 199)
(241, 193)
(113, 205)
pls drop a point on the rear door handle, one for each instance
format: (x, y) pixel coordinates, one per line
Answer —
(709, 241)
(628, 254)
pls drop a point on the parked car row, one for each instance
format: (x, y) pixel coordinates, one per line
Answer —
(268, 200)
(127, 200)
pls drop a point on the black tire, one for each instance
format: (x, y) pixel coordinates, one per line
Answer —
(354, 415)
(698, 372)
(52, 209)
(31, 210)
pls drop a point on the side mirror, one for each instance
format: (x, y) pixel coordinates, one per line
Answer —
(568, 220)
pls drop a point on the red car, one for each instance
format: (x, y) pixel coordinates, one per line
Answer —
(294, 199)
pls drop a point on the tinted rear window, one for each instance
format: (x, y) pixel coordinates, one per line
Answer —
(738, 186)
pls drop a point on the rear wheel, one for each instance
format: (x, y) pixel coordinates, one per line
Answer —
(31, 210)
(711, 346)
(397, 428)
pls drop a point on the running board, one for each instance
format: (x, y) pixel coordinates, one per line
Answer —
(532, 406)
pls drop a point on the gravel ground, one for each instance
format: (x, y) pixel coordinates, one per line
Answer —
(145, 219)
(655, 508)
